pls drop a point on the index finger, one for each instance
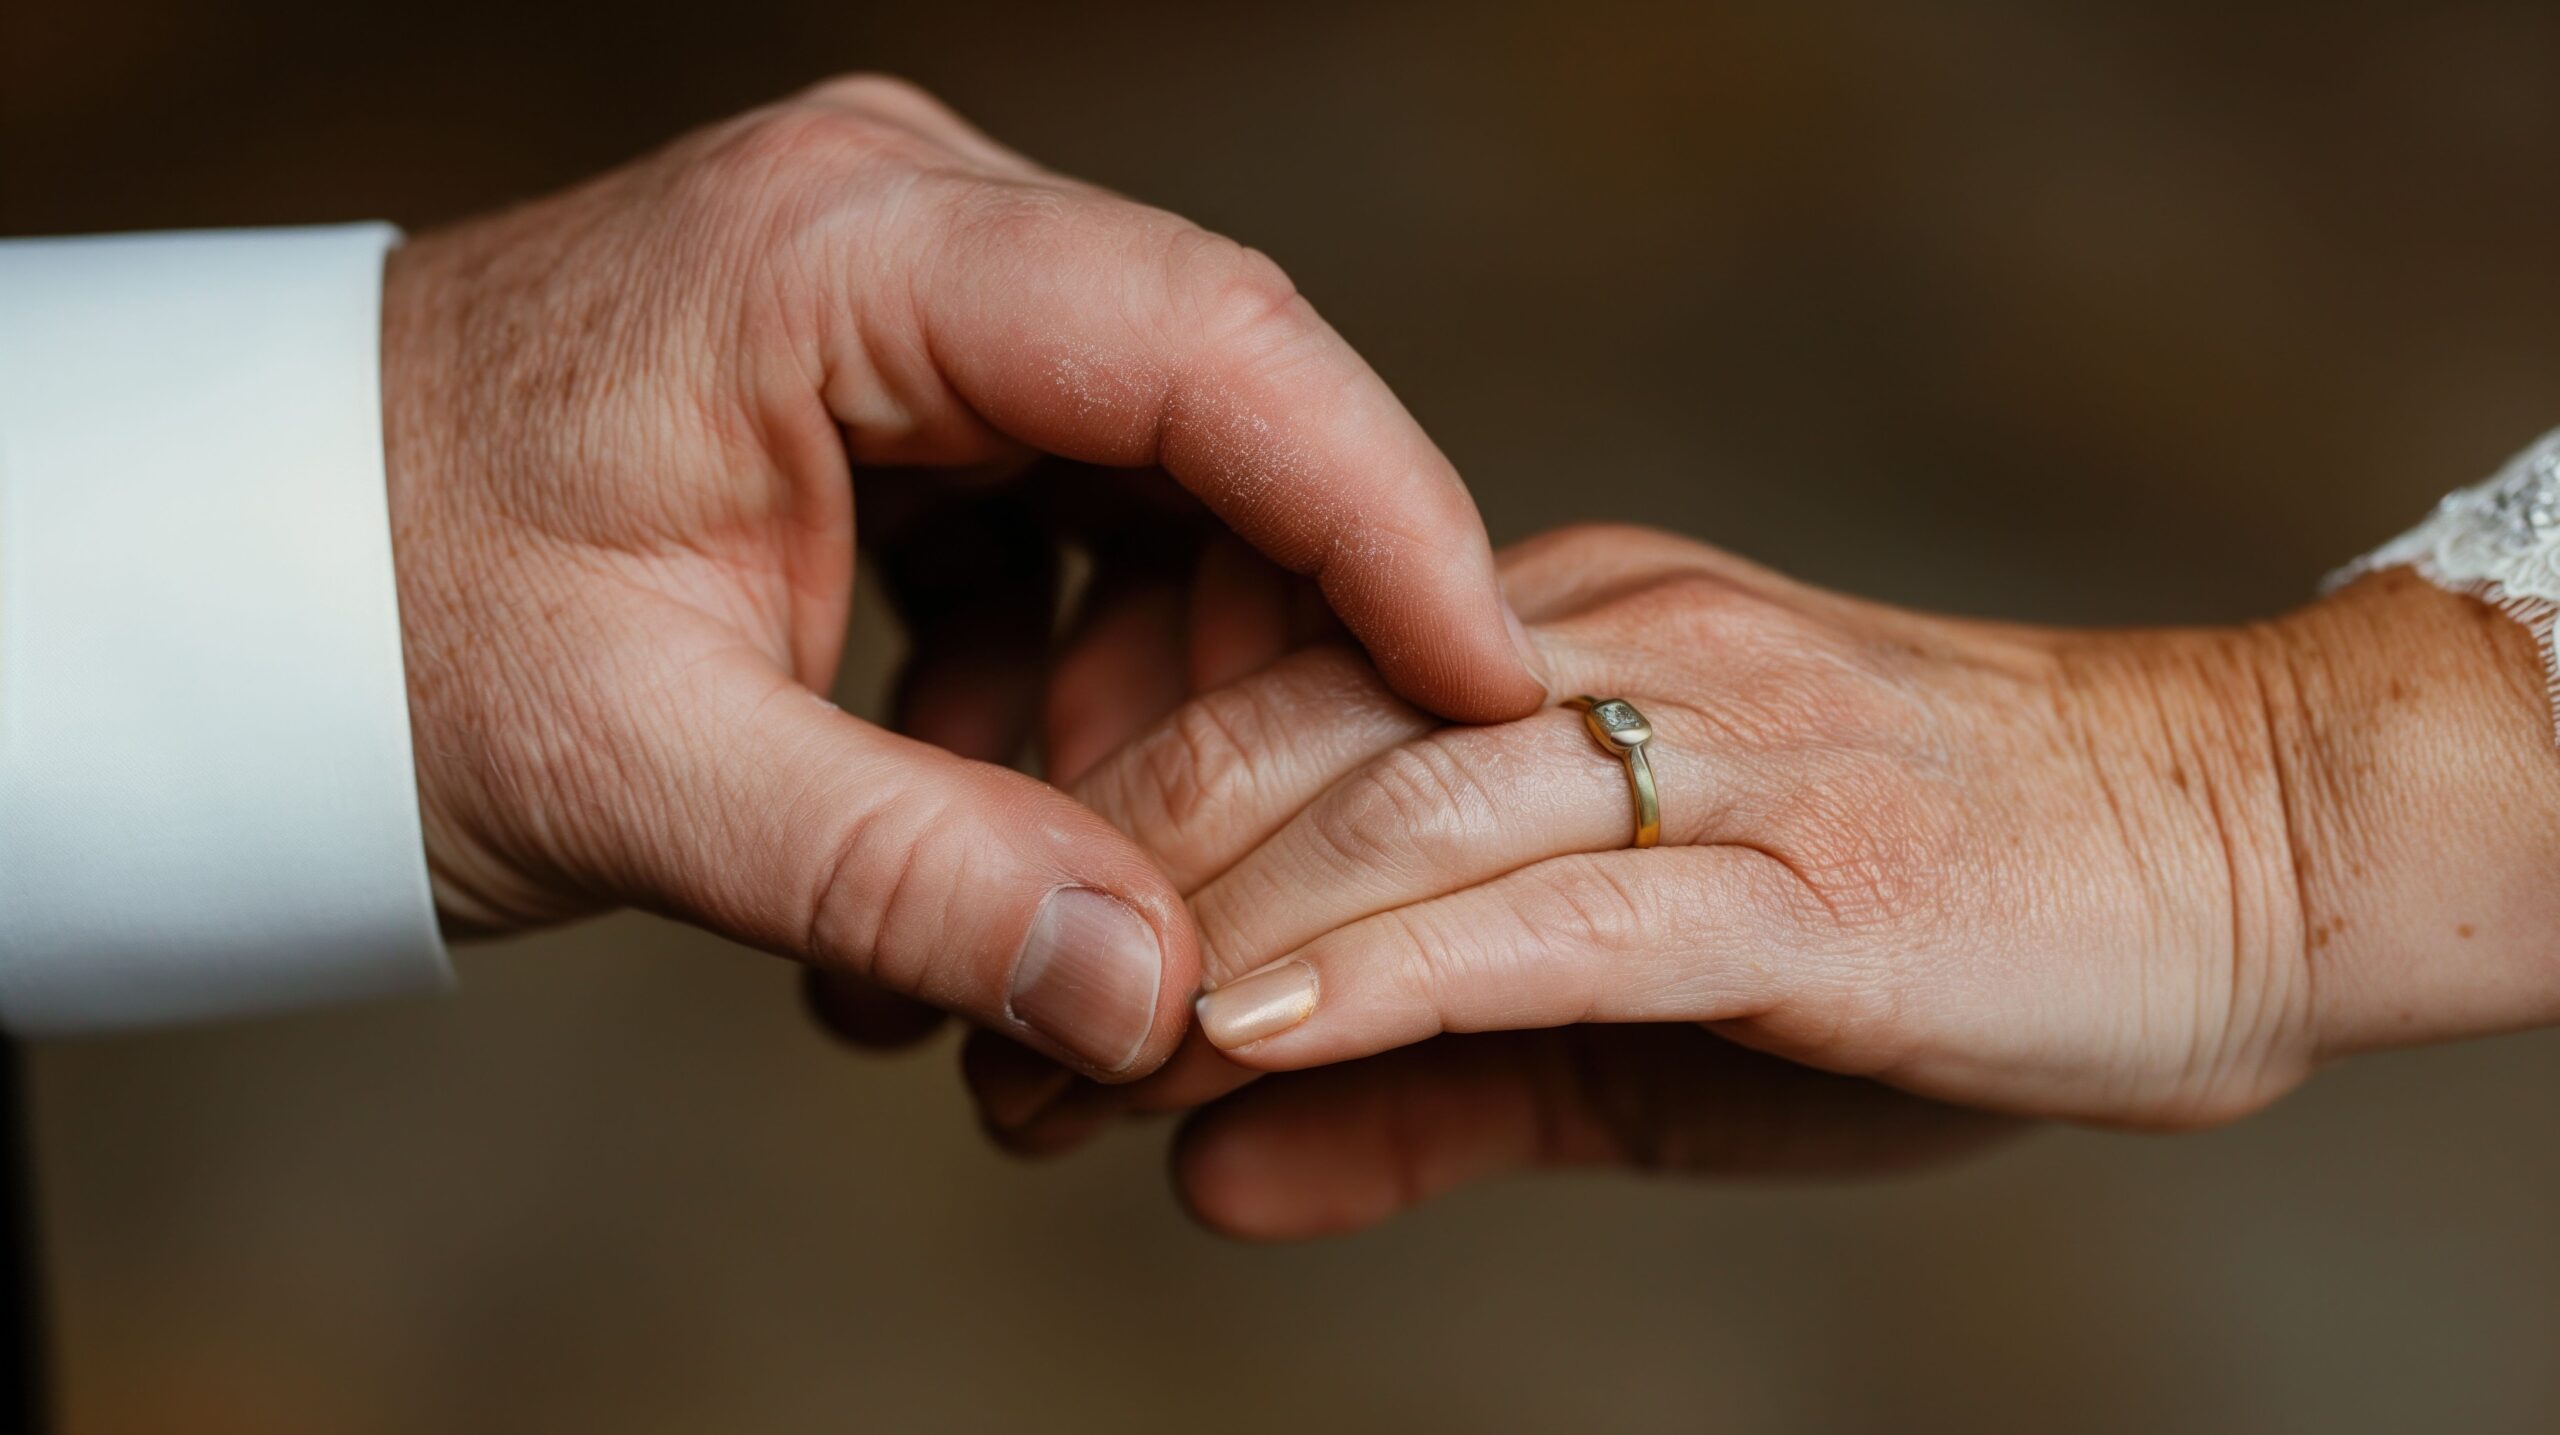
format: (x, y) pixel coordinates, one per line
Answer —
(1100, 330)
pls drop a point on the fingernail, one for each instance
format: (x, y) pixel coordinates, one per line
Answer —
(1264, 1004)
(1530, 657)
(1088, 977)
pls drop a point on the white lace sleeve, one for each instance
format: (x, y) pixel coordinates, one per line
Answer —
(2497, 541)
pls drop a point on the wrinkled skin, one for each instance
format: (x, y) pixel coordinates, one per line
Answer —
(627, 425)
(1919, 878)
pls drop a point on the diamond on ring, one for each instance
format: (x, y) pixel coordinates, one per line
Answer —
(1615, 724)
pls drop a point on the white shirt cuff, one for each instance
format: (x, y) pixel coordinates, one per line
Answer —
(207, 800)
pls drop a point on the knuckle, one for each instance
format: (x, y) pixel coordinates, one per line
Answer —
(862, 887)
(1588, 907)
(1018, 217)
(1589, 536)
(1845, 1000)
(1233, 295)
(1410, 802)
(1569, 571)
(1422, 960)
(1790, 681)
(1764, 646)
(877, 91)
(799, 148)
(1432, 959)
(1710, 612)
(884, 901)
(1201, 762)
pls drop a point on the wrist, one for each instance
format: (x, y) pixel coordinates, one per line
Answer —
(433, 424)
(2413, 742)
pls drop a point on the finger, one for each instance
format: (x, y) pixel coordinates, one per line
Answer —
(1196, 1074)
(1323, 1152)
(1243, 614)
(1024, 1104)
(1119, 676)
(1228, 768)
(766, 813)
(974, 579)
(1312, 623)
(1670, 934)
(910, 107)
(865, 1016)
(1120, 667)
(1085, 1111)
(1454, 808)
(1136, 656)
(1118, 679)
(1235, 766)
(1029, 1105)
(1119, 335)
(1568, 570)
(1010, 1082)
(1463, 805)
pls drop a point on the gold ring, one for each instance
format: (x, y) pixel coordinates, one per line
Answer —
(1617, 726)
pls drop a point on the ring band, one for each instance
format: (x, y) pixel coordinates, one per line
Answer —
(1619, 728)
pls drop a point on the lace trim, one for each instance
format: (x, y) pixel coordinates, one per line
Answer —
(2497, 541)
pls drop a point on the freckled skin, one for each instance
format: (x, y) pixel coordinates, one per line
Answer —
(2127, 877)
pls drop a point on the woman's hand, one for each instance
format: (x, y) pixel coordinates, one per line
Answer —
(2144, 878)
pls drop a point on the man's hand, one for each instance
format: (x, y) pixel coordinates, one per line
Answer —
(626, 428)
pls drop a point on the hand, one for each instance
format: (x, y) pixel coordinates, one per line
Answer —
(2140, 878)
(1338, 1148)
(625, 429)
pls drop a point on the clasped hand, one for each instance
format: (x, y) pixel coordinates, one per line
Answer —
(1918, 877)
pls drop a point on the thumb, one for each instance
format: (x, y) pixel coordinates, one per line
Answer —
(800, 829)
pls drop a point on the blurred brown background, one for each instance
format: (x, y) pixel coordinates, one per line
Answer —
(2103, 312)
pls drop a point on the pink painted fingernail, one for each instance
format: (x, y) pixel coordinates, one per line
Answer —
(1265, 1003)
(1088, 976)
